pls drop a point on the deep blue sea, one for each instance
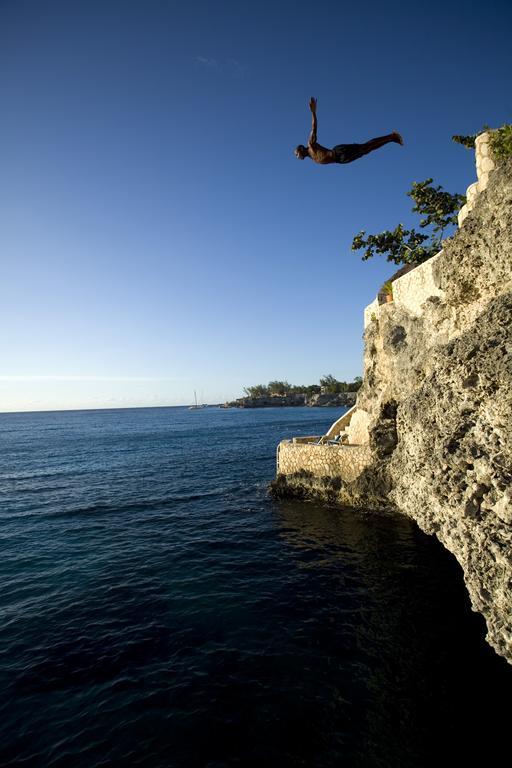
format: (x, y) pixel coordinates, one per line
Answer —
(159, 609)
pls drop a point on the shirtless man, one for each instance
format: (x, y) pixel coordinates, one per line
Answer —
(341, 153)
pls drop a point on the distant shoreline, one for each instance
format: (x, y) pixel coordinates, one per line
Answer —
(296, 400)
(332, 401)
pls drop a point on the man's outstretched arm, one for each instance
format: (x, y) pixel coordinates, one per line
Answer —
(312, 136)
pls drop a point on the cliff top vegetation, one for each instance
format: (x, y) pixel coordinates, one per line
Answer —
(437, 208)
(500, 138)
(409, 246)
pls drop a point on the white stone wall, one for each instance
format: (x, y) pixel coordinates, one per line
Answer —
(484, 167)
(357, 430)
(413, 289)
(371, 312)
(409, 292)
(343, 461)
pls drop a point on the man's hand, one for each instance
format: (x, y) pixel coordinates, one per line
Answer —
(312, 104)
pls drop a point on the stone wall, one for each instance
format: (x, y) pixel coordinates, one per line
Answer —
(410, 291)
(324, 472)
(371, 312)
(485, 164)
(337, 472)
(357, 429)
(346, 462)
(413, 289)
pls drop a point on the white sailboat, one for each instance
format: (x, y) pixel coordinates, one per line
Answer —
(197, 406)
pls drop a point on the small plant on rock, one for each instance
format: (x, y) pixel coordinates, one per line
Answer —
(387, 290)
(501, 142)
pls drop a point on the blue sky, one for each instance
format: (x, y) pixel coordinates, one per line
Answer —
(157, 235)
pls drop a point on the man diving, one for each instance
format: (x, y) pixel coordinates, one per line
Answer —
(341, 153)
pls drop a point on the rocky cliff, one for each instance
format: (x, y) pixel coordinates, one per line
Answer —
(435, 407)
(437, 392)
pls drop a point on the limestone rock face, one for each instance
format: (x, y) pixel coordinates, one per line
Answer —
(437, 391)
(452, 467)
(432, 425)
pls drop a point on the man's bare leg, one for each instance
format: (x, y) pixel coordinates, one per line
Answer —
(369, 146)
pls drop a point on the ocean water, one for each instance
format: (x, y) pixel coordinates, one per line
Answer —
(157, 608)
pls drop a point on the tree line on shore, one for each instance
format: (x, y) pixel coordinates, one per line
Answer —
(328, 384)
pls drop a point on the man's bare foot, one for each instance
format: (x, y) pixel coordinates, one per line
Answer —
(396, 137)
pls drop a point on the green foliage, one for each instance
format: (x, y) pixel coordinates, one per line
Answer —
(328, 383)
(500, 139)
(501, 142)
(408, 246)
(401, 246)
(439, 208)
(466, 141)
(259, 390)
(279, 387)
(469, 141)
(387, 288)
(331, 385)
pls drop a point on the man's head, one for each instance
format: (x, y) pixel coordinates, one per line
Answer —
(301, 152)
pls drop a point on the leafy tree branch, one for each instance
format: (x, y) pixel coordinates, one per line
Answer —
(409, 246)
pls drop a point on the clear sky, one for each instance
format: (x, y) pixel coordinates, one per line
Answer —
(157, 234)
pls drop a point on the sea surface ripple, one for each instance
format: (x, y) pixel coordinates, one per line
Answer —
(158, 609)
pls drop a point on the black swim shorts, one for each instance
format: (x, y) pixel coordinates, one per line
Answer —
(346, 153)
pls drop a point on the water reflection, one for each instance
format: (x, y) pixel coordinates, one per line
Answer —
(414, 666)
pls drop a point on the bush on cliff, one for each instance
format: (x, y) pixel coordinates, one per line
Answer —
(408, 246)
(500, 139)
